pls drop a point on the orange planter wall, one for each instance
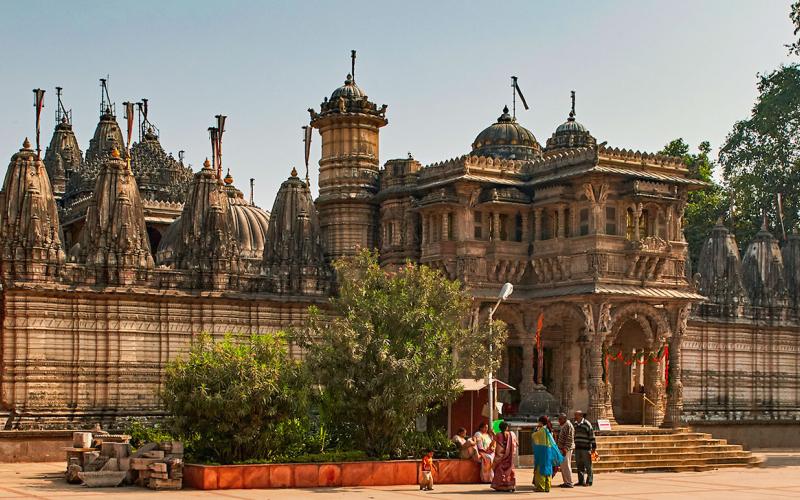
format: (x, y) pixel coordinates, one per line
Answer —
(390, 473)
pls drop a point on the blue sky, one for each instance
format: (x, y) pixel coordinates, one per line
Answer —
(645, 72)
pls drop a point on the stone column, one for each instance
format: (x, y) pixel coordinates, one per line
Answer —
(596, 386)
(537, 224)
(567, 380)
(445, 227)
(527, 385)
(496, 226)
(525, 231)
(654, 415)
(674, 412)
(560, 221)
(637, 213)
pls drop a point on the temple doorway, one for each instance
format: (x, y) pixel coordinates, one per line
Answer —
(628, 378)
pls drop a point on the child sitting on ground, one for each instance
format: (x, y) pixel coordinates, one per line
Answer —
(426, 484)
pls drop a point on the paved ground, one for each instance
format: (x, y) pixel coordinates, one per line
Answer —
(778, 478)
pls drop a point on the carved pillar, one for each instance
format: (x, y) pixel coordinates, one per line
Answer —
(637, 213)
(596, 386)
(425, 228)
(496, 226)
(674, 412)
(567, 380)
(527, 385)
(560, 221)
(525, 231)
(537, 224)
(654, 388)
(445, 226)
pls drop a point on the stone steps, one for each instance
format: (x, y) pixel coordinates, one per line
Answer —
(650, 449)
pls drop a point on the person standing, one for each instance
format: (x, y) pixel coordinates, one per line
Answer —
(505, 453)
(485, 443)
(585, 445)
(566, 444)
(426, 484)
(546, 456)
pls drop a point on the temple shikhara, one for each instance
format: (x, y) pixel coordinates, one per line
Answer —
(112, 259)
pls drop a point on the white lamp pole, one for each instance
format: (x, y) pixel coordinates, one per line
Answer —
(505, 292)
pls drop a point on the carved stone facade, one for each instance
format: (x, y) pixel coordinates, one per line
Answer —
(590, 236)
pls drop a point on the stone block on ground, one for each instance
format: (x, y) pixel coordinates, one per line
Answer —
(116, 450)
(88, 457)
(165, 484)
(96, 464)
(111, 465)
(104, 479)
(158, 475)
(154, 454)
(157, 467)
(124, 463)
(82, 439)
(72, 473)
(142, 463)
(144, 449)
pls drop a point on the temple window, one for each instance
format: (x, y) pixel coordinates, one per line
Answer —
(518, 227)
(611, 221)
(583, 222)
(389, 234)
(547, 225)
(504, 227)
(478, 219)
(661, 225)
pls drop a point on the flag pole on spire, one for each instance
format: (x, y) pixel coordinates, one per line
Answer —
(517, 91)
(38, 103)
(353, 65)
(307, 143)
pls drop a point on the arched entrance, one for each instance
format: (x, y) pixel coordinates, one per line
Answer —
(635, 363)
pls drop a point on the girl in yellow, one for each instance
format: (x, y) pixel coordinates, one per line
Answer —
(545, 455)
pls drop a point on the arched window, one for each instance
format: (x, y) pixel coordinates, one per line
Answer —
(583, 222)
(518, 227)
(611, 221)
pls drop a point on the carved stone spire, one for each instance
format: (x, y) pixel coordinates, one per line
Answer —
(721, 270)
(115, 243)
(791, 266)
(294, 260)
(30, 234)
(62, 157)
(762, 268)
(206, 239)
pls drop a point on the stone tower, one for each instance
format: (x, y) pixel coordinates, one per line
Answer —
(349, 124)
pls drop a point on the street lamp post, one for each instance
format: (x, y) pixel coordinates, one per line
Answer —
(505, 292)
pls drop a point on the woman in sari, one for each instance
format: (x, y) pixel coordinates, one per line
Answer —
(505, 452)
(485, 452)
(546, 456)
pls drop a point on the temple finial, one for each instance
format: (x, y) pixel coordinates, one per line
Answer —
(207, 164)
(572, 109)
(294, 172)
(353, 65)
(26, 144)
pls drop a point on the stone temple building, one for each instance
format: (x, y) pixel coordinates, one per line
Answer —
(111, 262)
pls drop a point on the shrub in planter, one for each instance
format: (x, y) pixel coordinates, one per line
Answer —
(237, 399)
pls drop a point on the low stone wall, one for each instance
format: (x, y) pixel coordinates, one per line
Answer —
(34, 446)
(263, 476)
(755, 434)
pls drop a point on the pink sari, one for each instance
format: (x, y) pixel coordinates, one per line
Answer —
(506, 451)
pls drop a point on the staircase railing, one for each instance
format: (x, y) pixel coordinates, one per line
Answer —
(645, 400)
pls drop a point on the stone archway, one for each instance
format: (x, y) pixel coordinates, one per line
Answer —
(635, 328)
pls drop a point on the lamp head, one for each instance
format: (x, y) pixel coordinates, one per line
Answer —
(506, 291)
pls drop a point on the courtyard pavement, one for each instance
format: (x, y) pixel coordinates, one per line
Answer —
(779, 477)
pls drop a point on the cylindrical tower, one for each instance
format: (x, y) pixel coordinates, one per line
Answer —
(348, 169)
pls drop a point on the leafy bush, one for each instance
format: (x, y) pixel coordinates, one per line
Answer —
(414, 444)
(142, 433)
(237, 399)
(389, 352)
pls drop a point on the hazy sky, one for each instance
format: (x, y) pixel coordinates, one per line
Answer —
(645, 72)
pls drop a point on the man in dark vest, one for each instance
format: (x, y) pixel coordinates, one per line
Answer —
(584, 446)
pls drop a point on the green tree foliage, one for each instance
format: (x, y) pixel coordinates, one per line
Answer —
(794, 15)
(236, 399)
(394, 347)
(761, 156)
(703, 207)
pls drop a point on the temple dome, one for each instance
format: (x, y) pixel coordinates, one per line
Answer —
(250, 224)
(571, 133)
(349, 90)
(506, 139)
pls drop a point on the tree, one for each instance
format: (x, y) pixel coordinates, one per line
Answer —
(703, 207)
(794, 15)
(392, 348)
(231, 398)
(761, 156)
